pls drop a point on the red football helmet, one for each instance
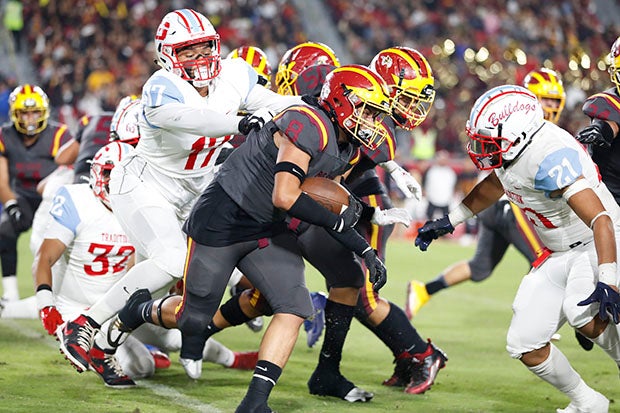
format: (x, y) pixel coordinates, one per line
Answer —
(548, 88)
(614, 68)
(357, 99)
(257, 59)
(410, 76)
(298, 58)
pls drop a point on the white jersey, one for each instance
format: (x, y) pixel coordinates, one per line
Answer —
(552, 161)
(97, 248)
(183, 132)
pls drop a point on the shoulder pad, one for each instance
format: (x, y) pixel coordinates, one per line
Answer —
(305, 126)
(604, 106)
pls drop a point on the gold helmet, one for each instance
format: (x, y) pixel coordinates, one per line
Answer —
(298, 58)
(256, 58)
(29, 109)
(547, 86)
(411, 80)
(614, 68)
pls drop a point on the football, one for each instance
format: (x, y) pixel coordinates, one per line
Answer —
(326, 192)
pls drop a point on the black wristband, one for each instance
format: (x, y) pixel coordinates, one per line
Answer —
(310, 211)
(44, 287)
(351, 239)
(606, 130)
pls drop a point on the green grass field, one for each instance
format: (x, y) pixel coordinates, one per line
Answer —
(468, 322)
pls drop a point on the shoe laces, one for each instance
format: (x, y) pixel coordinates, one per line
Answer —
(111, 361)
(85, 335)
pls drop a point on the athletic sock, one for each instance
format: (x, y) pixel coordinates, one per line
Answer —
(435, 285)
(337, 322)
(397, 333)
(266, 375)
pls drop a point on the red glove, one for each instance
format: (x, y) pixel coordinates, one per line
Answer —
(51, 319)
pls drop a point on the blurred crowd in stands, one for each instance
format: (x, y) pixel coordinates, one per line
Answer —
(89, 53)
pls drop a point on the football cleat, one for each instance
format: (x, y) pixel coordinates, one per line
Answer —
(417, 296)
(161, 359)
(255, 324)
(106, 365)
(403, 370)
(599, 403)
(76, 339)
(315, 324)
(425, 369)
(193, 368)
(583, 341)
(245, 360)
(127, 317)
(329, 383)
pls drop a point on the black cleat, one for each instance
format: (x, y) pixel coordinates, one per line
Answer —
(328, 383)
(425, 369)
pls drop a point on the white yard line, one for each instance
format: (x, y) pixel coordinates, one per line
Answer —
(161, 390)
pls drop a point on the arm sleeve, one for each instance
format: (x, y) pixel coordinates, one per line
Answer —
(260, 97)
(196, 121)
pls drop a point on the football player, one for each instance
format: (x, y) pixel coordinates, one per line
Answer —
(93, 252)
(27, 149)
(248, 229)
(604, 112)
(189, 110)
(502, 224)
(548, 175)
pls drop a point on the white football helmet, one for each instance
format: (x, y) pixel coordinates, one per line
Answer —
(102, 164)
(183, 28)
(501, 124)
(124, 126)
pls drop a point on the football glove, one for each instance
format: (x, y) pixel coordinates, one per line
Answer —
(598, 133)
(349, 217)
(16, 216)
(406, 183)
(377, 273)
(255, 120)
(609, 300)
(51, 319)
(390, 216)
(433, 230)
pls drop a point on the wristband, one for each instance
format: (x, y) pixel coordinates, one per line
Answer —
(459, 214)
(10, 203)
(607, 273)
(600, 214)
(44, 298)
(390, 166)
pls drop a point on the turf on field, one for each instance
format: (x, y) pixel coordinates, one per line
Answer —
(468, 322)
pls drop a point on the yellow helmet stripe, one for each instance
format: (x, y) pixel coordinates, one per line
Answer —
(425, 68)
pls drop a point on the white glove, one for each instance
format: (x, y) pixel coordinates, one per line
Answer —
(405, 182)
(391, 216)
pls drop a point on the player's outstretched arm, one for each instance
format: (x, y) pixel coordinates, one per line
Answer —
(49, 252)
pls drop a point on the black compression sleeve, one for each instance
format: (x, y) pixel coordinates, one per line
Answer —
(310, 211)
(352, 240)
(607, 131)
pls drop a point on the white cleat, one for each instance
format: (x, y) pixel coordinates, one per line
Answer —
(600, 404)
(193, 368)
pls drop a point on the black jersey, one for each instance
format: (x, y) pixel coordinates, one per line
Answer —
(93, 134)
(29, 165)
(606, 106)
(247, 176)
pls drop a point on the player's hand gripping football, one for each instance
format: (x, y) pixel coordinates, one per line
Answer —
(51, 319)
(609, 300)
(377, 273)
(433, 230)
(349, 217)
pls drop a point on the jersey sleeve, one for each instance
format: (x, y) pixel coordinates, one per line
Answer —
(84, 121)
(64, 211)
(159, 91)
(2, 144)
(604, 106)
(558, 170)
(305, 128)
